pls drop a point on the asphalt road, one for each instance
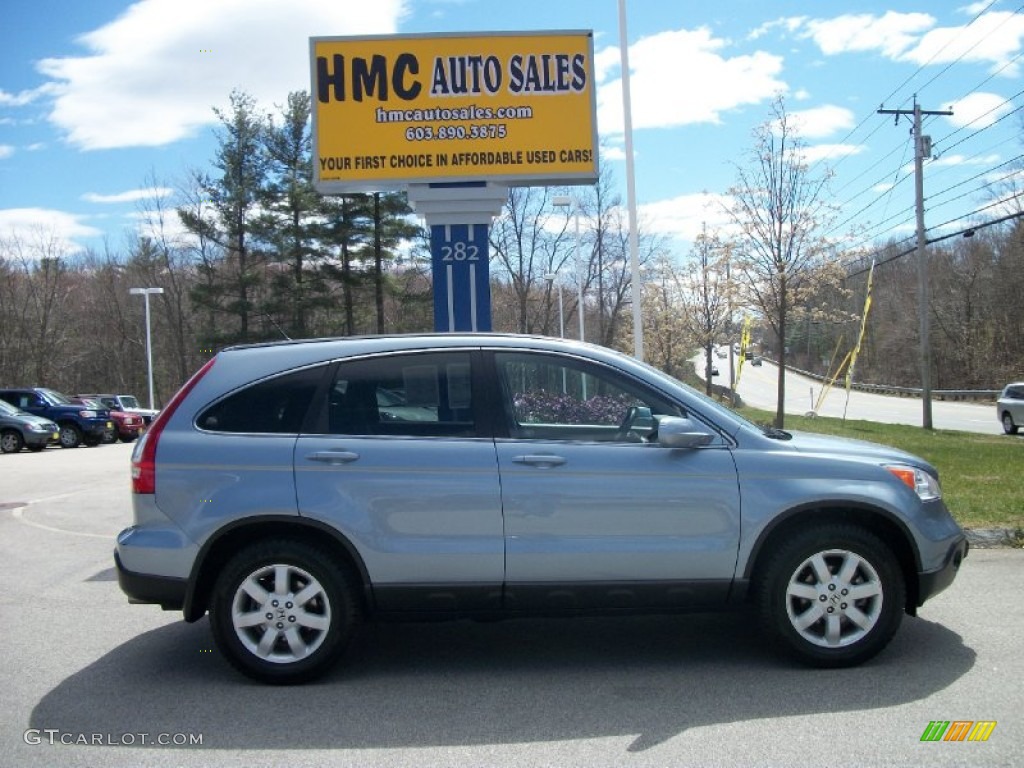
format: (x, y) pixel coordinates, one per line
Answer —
(759, 388)
(82, 664)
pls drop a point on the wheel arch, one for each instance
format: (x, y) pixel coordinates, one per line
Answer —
(890, 529)
(220, 547)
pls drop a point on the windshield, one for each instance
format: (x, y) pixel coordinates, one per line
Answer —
(7, 409)
(128, 401)
(56, 397)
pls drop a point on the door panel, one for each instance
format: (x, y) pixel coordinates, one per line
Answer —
(402, 472)
(596, 513)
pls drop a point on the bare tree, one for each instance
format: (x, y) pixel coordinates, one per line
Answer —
(781, 211)
(704, 296)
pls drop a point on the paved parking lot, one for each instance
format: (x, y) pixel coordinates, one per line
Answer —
(81, 665)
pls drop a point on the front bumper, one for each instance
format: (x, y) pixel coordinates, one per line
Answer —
(931, 583)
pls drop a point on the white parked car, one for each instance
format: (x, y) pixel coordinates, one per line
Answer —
(1010, 407)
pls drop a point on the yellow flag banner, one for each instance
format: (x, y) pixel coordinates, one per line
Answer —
(860, 338)
(744, 346)
(863, 327)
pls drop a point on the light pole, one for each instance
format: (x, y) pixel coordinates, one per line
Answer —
(550, 277)
(564, 201)
(149, 343)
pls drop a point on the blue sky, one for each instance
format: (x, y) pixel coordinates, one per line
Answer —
(105, 102)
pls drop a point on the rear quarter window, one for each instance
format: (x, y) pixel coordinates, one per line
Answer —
(274, 406)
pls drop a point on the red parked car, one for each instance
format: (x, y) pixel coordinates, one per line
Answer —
(127, 426)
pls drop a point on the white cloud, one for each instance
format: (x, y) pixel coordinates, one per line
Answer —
(57, 228)
(994, 37)
(22, 98)
(957, 160)
(891, 34)
(6, 150)
(790, 24)
(166, 227)
(686, 215)
(818, 122)
(151, 76)
(680, 77)
(613, 153)
(973, 9)
(130, 196)
(816, 152)
(978, 110)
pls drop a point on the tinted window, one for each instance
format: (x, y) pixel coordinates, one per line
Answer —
(550, 397)
(427, 395)
(277, 405)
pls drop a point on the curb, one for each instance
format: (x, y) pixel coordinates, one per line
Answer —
(994, 538)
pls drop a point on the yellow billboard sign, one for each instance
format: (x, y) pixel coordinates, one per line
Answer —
(515, 108)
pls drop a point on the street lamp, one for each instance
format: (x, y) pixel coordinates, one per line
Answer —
(564, 201)
(149, 343)
(550, 277)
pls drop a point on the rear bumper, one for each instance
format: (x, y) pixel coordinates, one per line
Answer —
(931, 583)
(166, 591)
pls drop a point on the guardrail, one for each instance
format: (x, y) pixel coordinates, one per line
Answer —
(885, 389)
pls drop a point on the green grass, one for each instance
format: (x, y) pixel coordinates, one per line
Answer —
(982, 475)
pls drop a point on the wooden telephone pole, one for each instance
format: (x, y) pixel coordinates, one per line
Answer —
(922, 149)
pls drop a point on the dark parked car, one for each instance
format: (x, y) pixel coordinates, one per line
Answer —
(126, 426)
(280, 492)
(19, 429)
(1010, 407)
(78, 423)
(125, 403)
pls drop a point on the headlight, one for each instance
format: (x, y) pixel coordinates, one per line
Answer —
(923, 484)
(88, 414)
(38, 428)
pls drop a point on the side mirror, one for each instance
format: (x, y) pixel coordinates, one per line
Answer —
(676, 432)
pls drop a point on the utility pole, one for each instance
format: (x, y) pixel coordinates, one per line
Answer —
(922, 149)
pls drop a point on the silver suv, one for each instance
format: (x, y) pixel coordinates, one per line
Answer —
(293, 489)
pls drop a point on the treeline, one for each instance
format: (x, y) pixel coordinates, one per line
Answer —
(976, 320)
(247, 251)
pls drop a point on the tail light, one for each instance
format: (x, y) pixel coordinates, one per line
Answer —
(144, 455)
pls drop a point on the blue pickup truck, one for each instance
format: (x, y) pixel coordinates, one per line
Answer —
(79, 424)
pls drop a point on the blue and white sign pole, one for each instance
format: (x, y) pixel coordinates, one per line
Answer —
(459, 216)
(462, 289)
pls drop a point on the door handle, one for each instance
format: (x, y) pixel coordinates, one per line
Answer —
(540, 460)
(333, 457)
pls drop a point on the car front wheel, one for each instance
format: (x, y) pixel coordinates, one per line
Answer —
(282, 612)
(11, 441)
(1008, 426)
(70, 436)
(832, 595)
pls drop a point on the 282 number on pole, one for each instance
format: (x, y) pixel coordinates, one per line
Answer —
(460, 252)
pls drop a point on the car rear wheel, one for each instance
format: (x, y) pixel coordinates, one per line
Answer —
(11, 441)
(832, 595)
(282, 612)
(70, 435)
(1008, 426)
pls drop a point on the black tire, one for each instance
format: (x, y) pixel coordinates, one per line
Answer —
(333, 604)
(126, 438)
(1008, 426)
(803, 610)
(11, 441)
(70, 435)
